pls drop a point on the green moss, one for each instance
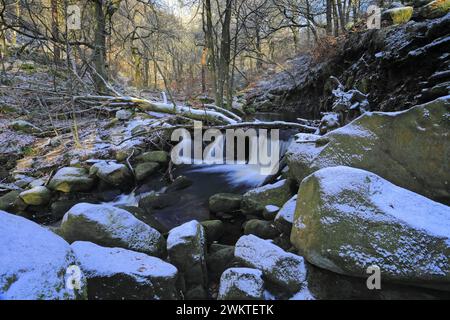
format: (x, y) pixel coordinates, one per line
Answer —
(401, 15)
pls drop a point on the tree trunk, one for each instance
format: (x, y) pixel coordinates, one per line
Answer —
(329, 17)
(209, 37)
(224, 59)
(100, 47)
(55, 31)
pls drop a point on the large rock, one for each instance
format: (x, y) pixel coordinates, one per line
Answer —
(186, 246)
(116, 273)
(241, 284)
(435, 9)
(71, 179)
(408, 148)
(261, 228)
(254, 201)
(225, 202)
(219, 258)
(161, 157)
(214, 229)
(285, 217)
(145, 170)
(110, 227)
(115, 174)
(34, 262)
(8, 201)
(283, 269)
(348, 219)
(398, 15)
(36, 196)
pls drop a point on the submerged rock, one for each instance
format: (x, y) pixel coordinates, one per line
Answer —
(116, 273)
(254, 201)
(283, 269)
(36, 196)
(179, 183)
(115, 174)
(186, 246)
(71, 179)
(408, 148)
(348, 219)
(225, 202)
(241, 284)
(110, 227)
(35, 268)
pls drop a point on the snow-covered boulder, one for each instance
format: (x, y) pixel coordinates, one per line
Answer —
(408, 148)
(186, 248)
(284, 269)
(71, 179)
(34, 262)
(348, 219)
(241, 284)
(110, 227)
(254, 201)
(214, 229)
(225, 202)
(36, 196)
(285, 216)
(270, 212)
(116, 273)
(113, 173)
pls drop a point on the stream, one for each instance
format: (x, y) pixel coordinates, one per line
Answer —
(207, 180)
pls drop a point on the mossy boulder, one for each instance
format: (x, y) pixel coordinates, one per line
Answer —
(186, 245)
(214, 229)
(254, 201)
(408, 148)
(161, 157)
(35, 263)
(261, 228)
(118, 274)
(399, 15)
(283, 269)
(112, 173)
(241, 284)
(110, 227)
(9, 200)
(435, 9)
(145, 170)
(225, 202)
(36, 196)
(348, 219)
(71, 179)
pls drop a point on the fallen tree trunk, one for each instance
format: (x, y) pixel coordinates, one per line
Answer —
(212, 116)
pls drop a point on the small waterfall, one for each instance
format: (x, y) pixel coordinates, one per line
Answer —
(130, 200)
